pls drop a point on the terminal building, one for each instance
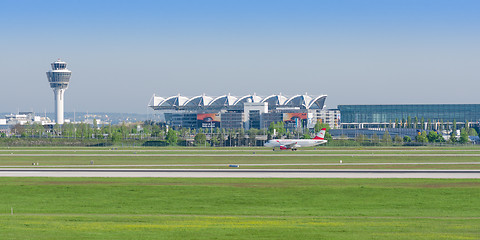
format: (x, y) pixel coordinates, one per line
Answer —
(381, 116)
(250, 111)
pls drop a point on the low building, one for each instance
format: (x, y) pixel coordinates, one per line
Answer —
(23, 118)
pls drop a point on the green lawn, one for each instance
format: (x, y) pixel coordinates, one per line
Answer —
(142, 160)
(242, 156)
(159, 208)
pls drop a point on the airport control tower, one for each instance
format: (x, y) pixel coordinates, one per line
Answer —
(59, 77)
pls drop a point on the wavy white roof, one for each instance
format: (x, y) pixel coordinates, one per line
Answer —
(274, 100)
(299, 100)
(203, 101)
(318, 102)
(199, 101)
(225, 100)
(174, 101)
(248, 98)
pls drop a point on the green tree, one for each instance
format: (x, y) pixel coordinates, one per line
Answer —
(360, 138)
(386, 138)
(252, 134)
(17, 129)
(454, 127)
(57, 129)
(214, 140)
(279, 128)
(453, 137)
(375, 138)
(407, 139)
(472, 132)
(221, 137)
(241, 137)
(421, 138)
(200, 139)
(172, 137)
(319, 126)
(306, 136)
(398, 139)
(116, 136)
(463, 136)
(432, 136)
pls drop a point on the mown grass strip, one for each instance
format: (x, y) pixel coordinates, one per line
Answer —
(176, 208)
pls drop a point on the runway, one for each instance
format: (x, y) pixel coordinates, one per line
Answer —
(247, 155)
(239, 173)
(242, 164)
(88, 149)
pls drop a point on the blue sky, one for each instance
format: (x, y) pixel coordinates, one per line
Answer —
(121, 52)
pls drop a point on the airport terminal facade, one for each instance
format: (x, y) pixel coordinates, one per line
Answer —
(304, 111)
(364, 116)
(250, 111)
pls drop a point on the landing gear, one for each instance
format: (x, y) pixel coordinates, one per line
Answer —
(294, 149)
(274, 149)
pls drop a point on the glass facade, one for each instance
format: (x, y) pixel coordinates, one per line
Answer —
(183, 120)
(390, 113)
(254, 119)
(231, 120)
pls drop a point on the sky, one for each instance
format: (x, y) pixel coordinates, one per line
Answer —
(122, 52)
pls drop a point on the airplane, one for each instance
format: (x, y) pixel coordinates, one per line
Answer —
(293, 144)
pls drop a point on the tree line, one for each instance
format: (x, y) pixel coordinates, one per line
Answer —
(158, 134)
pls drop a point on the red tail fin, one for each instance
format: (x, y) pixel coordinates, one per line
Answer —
(321, 134)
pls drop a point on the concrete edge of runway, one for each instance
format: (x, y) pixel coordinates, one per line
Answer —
(241, 173)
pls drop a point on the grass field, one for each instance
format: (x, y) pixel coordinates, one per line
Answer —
(177, 208)
(441, 158)
(146, 208)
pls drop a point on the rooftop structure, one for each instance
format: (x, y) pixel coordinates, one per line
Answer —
(59, 78)
(228, 102)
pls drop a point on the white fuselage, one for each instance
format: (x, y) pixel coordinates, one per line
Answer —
(293, 143)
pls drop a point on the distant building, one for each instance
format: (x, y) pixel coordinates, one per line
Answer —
(330, 117)
(23, 118)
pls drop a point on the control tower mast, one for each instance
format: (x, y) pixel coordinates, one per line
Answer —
(59, 77)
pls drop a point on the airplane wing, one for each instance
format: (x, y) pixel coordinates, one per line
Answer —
(290, 145)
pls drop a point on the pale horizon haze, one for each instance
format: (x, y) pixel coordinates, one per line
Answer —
(122, 52)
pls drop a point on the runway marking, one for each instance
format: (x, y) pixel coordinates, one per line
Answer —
(245, 155)
(235, 149)
(242, 164)
(243, 170)
(241, 173)
(237, 216)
